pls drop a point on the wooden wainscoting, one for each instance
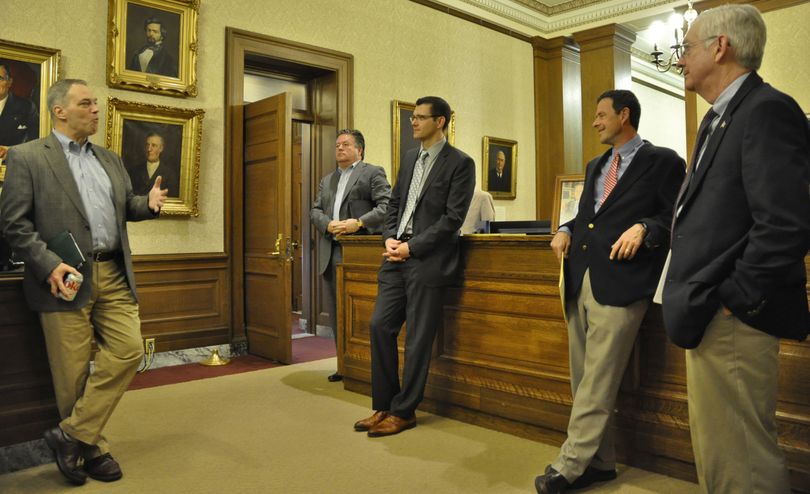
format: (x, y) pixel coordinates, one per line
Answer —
(501, 358)
(184, 299)
(184, 304)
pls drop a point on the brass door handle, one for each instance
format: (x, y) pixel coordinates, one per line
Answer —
(277, 252)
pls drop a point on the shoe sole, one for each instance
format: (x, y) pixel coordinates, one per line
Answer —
(53, 444)
(383, 434)
(111, 478)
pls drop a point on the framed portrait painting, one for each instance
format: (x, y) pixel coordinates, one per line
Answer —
(402, 133)
(567, 191)
(158, 141)
(499, 173)
(26, 73)
(152, 46)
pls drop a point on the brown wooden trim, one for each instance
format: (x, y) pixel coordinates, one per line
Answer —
(474, 19)
(238, 43)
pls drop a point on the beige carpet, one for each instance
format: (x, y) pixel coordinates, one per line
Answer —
(287, 430)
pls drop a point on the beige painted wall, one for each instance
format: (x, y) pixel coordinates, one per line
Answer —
(401, 50)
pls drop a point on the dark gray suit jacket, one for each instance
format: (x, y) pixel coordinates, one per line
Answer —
(40, 200)
(365, 198)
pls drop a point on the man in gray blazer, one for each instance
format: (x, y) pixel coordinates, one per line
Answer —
(351, 199)
(63, 183)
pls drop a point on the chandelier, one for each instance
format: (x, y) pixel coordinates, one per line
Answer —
(679, 24)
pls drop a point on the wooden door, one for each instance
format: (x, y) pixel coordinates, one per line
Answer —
(268, 227)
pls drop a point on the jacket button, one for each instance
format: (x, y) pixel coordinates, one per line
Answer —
(590, 226)
(584, 247)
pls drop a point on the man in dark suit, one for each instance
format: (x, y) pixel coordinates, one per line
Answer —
(500, 176)
(422, 257)
(736, 281)
(614, 250)
(351, 199)
(19, 119)
(143, 175)
(63, 183)
(153, 58)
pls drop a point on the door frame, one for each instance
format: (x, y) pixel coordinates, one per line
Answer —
(238, 43)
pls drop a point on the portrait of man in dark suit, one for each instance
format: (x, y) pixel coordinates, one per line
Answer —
(152, 40)
(19, 117)
(500, 170)
(152, 150)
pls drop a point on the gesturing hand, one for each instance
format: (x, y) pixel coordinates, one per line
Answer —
(157, 196)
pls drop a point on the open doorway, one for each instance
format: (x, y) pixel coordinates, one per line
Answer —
(276, 293)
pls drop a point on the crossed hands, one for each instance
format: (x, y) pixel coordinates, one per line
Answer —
(338, 228)
(396, 250)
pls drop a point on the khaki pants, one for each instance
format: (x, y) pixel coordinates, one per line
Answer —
(600, 339)
(731, 381)
(86, 400)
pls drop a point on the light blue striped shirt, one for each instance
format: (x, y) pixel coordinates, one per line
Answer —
(95, 190)
(341, 188)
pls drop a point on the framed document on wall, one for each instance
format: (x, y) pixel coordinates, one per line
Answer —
(567, 192)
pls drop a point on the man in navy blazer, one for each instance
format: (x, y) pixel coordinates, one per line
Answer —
(351, 199)
(614, 250)
(736, 281)
(422, 257)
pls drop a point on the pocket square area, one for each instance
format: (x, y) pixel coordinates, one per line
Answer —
(22, 127)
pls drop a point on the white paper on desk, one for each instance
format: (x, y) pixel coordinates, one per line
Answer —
(562, 289)
(658, 298)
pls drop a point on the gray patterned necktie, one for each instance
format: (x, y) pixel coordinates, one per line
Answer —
(413, 192)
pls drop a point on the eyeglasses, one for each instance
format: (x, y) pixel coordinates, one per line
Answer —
(685, 47)
(421, 118)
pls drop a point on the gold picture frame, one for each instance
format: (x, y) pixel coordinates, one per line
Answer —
(33, 70)
(567, 193)
(402, 136)
(152, 46)
(503, 184)
(139, 131)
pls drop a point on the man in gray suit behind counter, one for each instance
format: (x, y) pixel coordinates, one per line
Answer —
(351, 199)
(64, 183)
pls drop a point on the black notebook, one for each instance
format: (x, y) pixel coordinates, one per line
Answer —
(65, 246)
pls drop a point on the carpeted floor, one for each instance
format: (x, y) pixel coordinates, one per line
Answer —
(287, 430)
(304, 350)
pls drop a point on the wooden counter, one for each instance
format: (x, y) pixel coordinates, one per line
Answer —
(501, 358)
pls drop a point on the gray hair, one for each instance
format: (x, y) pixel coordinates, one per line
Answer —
(744, 27)
(58, 92)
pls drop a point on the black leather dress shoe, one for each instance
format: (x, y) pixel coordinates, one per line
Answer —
(552, 482)
(335, 378)
(103, 468)
(592, 475)
(67, 452)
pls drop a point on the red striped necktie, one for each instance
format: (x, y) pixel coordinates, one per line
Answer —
(612, 177)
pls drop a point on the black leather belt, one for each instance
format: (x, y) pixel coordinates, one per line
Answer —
(405, 237)
(105, 256)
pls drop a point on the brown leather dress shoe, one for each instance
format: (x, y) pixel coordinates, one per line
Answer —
(368, 423)
(67, 452)
(392, 425)
(103, 468)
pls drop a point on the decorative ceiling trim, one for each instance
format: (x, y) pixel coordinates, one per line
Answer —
(550, 10)
(571, 14)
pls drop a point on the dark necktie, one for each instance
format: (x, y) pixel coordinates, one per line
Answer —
(703, 133)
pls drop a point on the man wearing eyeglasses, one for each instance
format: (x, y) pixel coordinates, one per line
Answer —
(736, 281)
(422, 257)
